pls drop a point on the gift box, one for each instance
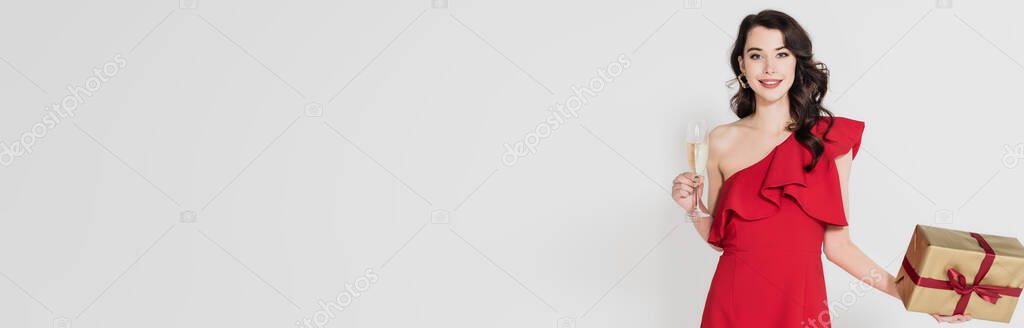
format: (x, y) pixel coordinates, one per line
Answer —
(951, 272)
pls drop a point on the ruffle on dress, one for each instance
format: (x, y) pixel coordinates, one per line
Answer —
(755, 192)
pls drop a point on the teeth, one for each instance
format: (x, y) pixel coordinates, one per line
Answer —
(771, 83)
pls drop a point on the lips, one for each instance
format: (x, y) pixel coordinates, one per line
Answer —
(770, 83)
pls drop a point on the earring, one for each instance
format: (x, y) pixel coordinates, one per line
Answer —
(739, 78)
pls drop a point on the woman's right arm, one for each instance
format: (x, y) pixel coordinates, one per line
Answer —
(713, 181)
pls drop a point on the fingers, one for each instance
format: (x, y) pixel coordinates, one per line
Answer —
(682, 192)
(687, 179)
(960, 318)
(684, 179)
(686, 185)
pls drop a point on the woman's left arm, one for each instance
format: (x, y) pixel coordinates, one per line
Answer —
(841, 250)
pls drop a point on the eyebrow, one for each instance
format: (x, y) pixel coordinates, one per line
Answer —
(752, 49)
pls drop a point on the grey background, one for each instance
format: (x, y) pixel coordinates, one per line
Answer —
(216, 115)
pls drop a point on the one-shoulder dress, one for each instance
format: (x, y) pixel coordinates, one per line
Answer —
(770, 220)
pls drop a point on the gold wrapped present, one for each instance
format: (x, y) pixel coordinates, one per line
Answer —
(951, 272)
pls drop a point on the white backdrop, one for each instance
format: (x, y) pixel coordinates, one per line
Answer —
(258, 164)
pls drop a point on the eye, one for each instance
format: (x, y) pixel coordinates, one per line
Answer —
(783, 54)
(755, 56)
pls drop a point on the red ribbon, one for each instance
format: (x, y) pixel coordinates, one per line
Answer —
(958, 283)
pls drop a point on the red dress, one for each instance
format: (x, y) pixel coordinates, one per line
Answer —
(770, 220)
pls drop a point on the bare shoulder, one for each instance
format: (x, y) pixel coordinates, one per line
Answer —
(722, 137)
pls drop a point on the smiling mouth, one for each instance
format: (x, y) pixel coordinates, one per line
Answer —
(770, 83)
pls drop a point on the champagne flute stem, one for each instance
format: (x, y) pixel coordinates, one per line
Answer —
(696, 197)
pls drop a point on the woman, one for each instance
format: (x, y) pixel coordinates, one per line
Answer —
(778, 188)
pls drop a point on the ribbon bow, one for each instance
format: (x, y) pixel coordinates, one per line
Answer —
(959, 283)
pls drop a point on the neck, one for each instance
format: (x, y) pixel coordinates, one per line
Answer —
(772, 115)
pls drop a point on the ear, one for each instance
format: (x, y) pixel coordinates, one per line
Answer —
(739, 59)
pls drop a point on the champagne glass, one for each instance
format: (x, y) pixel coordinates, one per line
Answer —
(697, 154)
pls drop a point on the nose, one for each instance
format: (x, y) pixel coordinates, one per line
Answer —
(769, 67)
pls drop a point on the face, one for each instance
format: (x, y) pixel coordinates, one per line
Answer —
(768, 66)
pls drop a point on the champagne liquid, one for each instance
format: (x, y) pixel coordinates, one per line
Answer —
(697, 153)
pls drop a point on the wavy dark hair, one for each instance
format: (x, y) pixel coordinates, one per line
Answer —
(810, 82)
